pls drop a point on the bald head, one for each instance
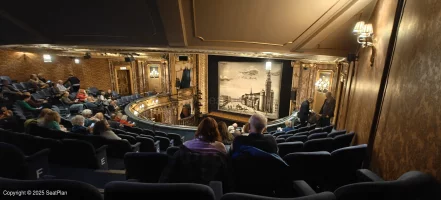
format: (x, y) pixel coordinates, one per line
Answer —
(257, 123)
(328, 95)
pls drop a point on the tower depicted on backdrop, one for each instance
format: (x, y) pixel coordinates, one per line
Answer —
(261, 101)
(268, 93)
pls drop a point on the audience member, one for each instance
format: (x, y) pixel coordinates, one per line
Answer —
(108, 94)
(305, 112)
(246, 129)
(233, 130)
(256, 138)
(41, 78)
(37, 103)
(9, 91)
(82, 95)
(25, 105)
(37, 83)
(73, 82)
(99, 116)
(102, 128)
(60, 88)
(327, 110)
(73, 105)
(43, 113)
(207, 138)
(288, 126)
(88, 119)
(78, 125)
(5, 113)
(101, 96)
(124, 121)
(52, 121)
(113, 107)
(227, 137)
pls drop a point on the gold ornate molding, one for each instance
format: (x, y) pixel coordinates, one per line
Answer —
(203, 81)
(196, 35)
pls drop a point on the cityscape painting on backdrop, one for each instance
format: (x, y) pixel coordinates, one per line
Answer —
(250, 87)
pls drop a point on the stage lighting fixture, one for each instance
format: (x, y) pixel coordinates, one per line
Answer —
(47, 58)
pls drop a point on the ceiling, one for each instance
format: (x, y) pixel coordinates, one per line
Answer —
(317, 30)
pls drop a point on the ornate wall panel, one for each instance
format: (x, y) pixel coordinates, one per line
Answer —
(203, 81)
(409, 136)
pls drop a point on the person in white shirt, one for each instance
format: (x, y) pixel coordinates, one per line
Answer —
(60, 87)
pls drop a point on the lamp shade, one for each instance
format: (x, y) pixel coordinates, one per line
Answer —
(368, 29)
(358, 27)
(268, 66)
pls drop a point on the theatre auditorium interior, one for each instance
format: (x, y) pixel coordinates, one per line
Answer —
(220, 99)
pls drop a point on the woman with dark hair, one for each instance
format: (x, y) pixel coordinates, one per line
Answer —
(207, 138)
(102, 128)
(227, 137)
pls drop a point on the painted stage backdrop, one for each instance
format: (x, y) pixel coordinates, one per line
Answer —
(248, 88)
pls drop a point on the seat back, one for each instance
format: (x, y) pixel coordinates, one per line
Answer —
(301, 138)
(118, 190)
(130, 138)
(289, 147)
(317, 130)
(79, 154)
(145, 166)
(278, 133)
(328, 129)
(322, 144)
(241, 196)
(147, 144)
(336, 133)
(317, 135)
(302, 133)
(164, 142)
(280, 140)
(313, 167)
(285, 136)
(177, 139)
(172, 150)
(13, 164)
(311, 127)
(343, 140)
(410, 186)
(345, 163)
(160, 133)
(134, 129)
(68, 189)
(148, 132)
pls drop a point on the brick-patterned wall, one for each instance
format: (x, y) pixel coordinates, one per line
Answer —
(19, 65)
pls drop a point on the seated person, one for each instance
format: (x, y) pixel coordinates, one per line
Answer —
(26, 107)
(41, 78)
(102, 128)
(73, 105)
(113, 123)
(99, 116)
(59, 87)
(37, 103)
(10, 91)
(246, 129)
(78, 125)
(118, 117)
(101, 96)
(227, 137)
(288, 126)
(74, 83)
(87, 114)
(82, 95)
(37, 83)
(52, 121)
(256, 138)
(124, 121)
(108, 94)
(43, 113)
(113, 107)
(207, 138)
(5, 113)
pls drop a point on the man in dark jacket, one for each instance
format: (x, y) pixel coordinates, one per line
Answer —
(256, 138)
(304, 112)
(327, 110)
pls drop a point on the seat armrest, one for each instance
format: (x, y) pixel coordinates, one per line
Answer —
(216, 186)
(136, 147)
(101, 155)
(302, 188)
(172, 142)
(365, 175)
(182, 138)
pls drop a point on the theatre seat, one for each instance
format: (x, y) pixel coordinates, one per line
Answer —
(280, 140)
(313, 167)
(301, 138)
(322, 144)
(148, 144)
(148, 132)
(289, 147)
(82, 154)
(336, 133)
(302, 133)
(74, 190)
(328, 129)
(118, 190)
(145, 166)
(413, 185)
(318, 130)
(172, 150)
(15, 165)
(317, 136)
(343, 140)
(242, 196)
(285, 136)
(345, 163)
(164, 142)
(160, 133)
(177, 139)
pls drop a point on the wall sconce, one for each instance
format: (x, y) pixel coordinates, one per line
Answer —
(365, 33)
(154, 72)
(365, 37)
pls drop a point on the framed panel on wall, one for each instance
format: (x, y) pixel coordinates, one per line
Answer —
(323, 84)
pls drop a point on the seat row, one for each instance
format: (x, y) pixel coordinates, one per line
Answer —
(329, 144)
(410, 186)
